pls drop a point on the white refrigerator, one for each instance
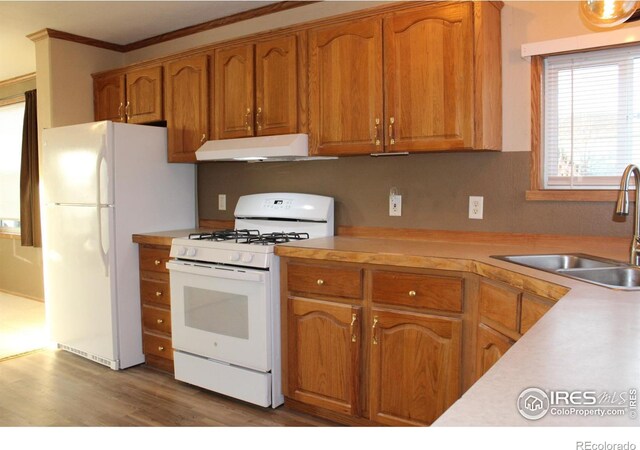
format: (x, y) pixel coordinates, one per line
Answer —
(100, 183)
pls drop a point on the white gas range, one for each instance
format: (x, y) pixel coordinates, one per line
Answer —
(225, 295)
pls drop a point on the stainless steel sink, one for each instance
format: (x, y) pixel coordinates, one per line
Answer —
(592, 269)
(618, 277)
(558, 262)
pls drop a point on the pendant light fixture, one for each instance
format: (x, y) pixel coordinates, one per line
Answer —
(609, 13)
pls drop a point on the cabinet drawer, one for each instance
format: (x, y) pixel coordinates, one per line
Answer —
(419, 291)
(152, 291)
(500, 304)
(333, 281)
(156, 345)
(156, 319)
(154, 258)
(532, 310)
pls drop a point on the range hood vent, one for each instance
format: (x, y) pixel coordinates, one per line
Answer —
(285, 147)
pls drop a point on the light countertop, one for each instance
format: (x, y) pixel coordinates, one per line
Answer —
(589, 341)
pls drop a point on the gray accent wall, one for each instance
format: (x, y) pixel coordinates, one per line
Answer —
(435, 191)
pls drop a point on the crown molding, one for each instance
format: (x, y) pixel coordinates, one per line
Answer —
(182, 32)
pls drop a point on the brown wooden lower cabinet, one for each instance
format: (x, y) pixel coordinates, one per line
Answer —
(415, 366)
(324, 354)
(374, 345)
(360, 362)
(491, 346)
(155, 297)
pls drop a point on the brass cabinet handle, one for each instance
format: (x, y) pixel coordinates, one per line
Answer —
(126, 110)
(158, 293)
(353, 321)
(376, 139)
(160, 348)
(392, 140)
(412, 293)
(157, 262)
(203, 138)
(120, 112)
(259, 118)
(247, 119)
(159, 321)
(320, 282)
(373, 330)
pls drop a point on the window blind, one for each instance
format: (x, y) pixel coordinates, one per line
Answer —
(591, 118)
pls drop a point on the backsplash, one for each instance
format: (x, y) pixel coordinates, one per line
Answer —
(435, 191)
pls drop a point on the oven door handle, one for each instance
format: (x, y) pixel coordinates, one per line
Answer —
(210, 270)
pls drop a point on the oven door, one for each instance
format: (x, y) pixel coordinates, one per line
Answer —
(222, 313)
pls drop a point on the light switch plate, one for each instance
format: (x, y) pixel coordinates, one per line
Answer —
(395, 205)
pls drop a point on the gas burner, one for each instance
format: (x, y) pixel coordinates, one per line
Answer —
(277, 238)
(238, 236)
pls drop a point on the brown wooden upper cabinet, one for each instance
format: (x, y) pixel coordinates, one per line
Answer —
(255, 89)
(187, 108)
(439, 79)
(132, 97)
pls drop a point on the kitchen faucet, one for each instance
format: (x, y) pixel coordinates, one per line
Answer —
(622, 209)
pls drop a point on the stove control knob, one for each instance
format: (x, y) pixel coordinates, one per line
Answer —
(234, 256)
(247, 258)
(182, 251)
(191, 251)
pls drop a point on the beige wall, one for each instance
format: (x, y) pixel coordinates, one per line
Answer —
(21, 271)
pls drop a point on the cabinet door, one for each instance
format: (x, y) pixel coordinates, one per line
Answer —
(415, 366)
(490, 346)
(108, 98)
(428, 63)
(144, 95)
(323, 348)
(233, 92)
(276, 87)
(345, 89)
(186, 107)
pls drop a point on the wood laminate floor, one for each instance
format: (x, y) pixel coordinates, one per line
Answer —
(56, 388)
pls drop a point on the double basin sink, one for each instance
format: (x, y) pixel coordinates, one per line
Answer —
(592, 269)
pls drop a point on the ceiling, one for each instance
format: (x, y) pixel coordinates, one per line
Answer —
(119, 22)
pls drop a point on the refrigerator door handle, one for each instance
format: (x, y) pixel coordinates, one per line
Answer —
(99, 160)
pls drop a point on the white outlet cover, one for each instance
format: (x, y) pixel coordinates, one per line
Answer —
(222, 202)
(476, 207)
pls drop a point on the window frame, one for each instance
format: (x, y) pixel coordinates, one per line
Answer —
(537, 191)
(6, 232)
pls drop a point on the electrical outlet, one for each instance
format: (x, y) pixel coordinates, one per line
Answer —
(475, 207)
(222, 202)
(395, 205)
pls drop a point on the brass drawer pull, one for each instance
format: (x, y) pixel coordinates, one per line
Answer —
(373, 329)
(203, 138)
(376, 138)
(392, 140)
(159, 321)
(412, 293)
(320, 282)
(160, 348)
(157, 262)
(158, 294)
(353, 321)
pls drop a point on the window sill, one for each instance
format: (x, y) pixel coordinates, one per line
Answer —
(9, 235)
(575, 196)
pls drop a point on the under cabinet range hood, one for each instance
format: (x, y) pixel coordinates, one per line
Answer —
(284, 147)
